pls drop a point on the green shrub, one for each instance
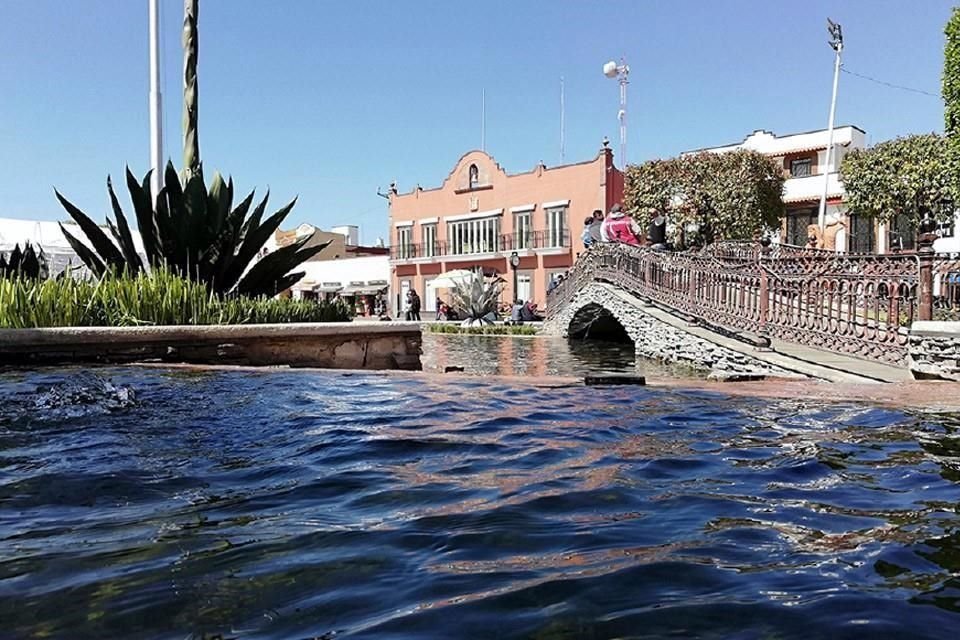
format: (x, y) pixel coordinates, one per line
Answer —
(488, 330)
(157, 298)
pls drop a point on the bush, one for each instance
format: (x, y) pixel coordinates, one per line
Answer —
(488, 330)
(157, 298)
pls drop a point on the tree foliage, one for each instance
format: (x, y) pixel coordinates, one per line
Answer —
(194, 232)
(951, 97)
(907, 176)
(711, 196)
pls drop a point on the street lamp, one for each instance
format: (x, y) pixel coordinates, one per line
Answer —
(620, 72)
(836, 43)
(514, 263)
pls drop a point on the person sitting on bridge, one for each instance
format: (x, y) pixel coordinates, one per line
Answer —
(619, 227)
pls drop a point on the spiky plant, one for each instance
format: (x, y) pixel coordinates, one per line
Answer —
(476, 298)
(193, 232)
(28, 263)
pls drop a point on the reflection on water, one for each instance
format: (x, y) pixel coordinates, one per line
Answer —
(538, 356)
(278, 504)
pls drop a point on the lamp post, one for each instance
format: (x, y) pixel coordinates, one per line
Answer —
(620, 72)
(514, 263)
(836, 42)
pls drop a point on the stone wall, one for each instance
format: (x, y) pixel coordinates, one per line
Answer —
(934, 350)
(335, 345)
(654, 338)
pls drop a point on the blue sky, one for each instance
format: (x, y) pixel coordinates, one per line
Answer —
(330, 100)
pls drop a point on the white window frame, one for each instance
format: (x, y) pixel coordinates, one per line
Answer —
(405, 242)
(556, 226)
(428, 234)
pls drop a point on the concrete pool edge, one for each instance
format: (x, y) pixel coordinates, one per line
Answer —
(331, 345)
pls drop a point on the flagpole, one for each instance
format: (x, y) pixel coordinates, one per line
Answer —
(156, 101)
(483, 120)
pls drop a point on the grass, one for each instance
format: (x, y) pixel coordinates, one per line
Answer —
(486, 330)
(157, 298)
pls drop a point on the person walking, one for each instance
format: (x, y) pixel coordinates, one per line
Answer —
(413, 313)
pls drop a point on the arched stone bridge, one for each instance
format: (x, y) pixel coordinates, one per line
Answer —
(721, 307)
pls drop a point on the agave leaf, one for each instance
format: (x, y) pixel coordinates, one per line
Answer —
(262, 277)
(195, 235)
(84, 253)
(101, 243)
(219, 203)
(122, 233)
(222, 253)
(146, 222)
(254, 239)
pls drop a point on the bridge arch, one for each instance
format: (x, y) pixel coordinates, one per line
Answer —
(594, 321)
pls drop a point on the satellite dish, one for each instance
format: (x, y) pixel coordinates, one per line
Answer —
(610, 69)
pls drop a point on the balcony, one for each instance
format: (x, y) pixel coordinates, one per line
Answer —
(542, 241)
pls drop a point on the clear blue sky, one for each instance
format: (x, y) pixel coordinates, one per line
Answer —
(329, 100)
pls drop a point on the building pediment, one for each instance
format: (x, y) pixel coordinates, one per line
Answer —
(475, 170)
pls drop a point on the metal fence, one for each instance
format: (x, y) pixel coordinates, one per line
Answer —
(860, 305)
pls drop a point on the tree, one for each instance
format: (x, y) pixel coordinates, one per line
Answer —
(951, 97)
(907, 176)
(708, 196)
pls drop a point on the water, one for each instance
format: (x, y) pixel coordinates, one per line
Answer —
(539, 356)
(280, 504)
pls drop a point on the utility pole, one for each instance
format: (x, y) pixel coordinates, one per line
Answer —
(156, 102)
(836, 42)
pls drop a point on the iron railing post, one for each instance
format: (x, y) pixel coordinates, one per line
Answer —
(925, 254)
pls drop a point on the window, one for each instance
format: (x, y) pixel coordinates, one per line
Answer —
(474, 236)
(797, 222)
(524, 287)
(429, 240)
(801, 168)
(522, 230)
(404, 243)
(474, 176)
(860, 234)
(903, 233)
(556, 227)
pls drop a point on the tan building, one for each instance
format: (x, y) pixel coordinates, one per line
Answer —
(480, 215)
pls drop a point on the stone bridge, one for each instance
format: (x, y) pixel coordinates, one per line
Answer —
(744, 309)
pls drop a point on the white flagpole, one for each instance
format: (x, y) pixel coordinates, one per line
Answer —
(561, 122)
(483, 120)
(156, 102)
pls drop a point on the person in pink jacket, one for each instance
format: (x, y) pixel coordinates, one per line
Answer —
(619, 227)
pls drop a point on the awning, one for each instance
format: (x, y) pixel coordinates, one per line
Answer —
(362, 291)
(326, 288)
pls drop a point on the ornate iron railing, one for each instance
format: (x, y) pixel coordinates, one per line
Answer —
(860, 305)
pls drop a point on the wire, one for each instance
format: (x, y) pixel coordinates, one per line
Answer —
(889, 84)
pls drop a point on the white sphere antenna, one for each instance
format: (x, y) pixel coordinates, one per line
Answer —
(620, 71)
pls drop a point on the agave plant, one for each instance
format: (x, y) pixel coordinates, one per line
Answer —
(28, 263)
(477, 298)
(193, 232)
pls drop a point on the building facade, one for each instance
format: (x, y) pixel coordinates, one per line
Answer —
(803, 159)
(344, 269)
(480, 215)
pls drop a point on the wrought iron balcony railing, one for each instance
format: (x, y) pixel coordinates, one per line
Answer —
(543, 239)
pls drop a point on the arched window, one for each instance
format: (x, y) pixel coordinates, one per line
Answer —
(474, 176)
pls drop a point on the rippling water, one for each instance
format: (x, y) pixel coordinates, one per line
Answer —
(539, 356)
(318, 505)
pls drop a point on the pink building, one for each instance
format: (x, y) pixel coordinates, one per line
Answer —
(481, 215)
